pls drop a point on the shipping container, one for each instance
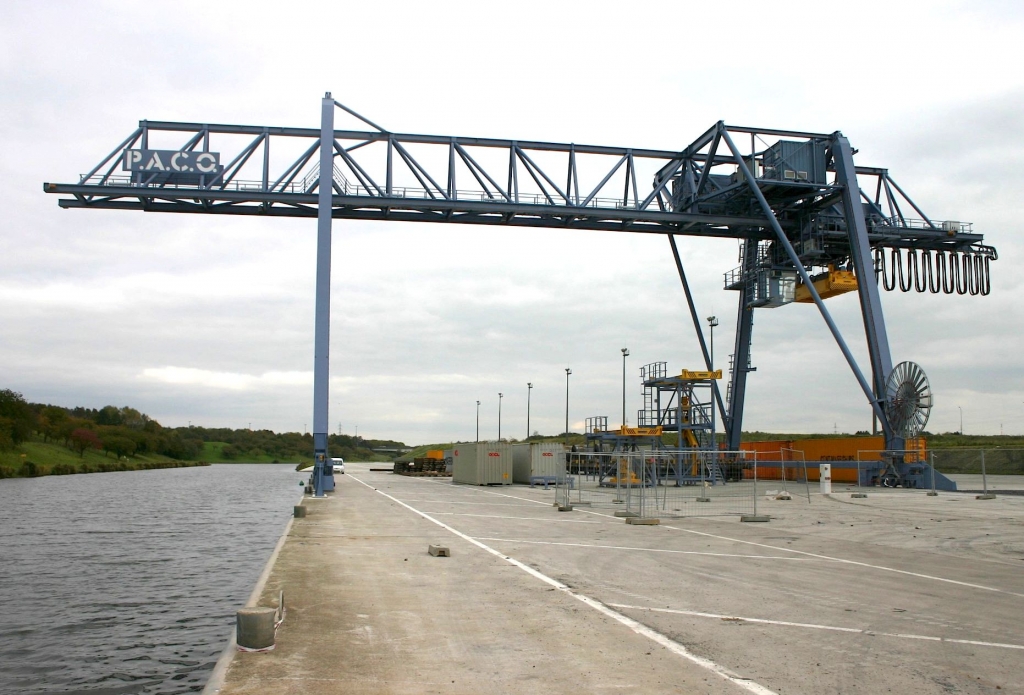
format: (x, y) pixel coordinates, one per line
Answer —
(843, 452)
(536, 458)
(486, 463)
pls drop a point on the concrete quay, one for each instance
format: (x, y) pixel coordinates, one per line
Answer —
(897, 592)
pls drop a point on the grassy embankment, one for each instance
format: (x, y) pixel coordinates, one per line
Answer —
(37, 458)
(213, 452)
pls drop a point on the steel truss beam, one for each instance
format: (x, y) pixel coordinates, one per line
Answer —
(396, 176)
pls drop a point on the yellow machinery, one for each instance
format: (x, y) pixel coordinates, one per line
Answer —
(640, 431)
(689, 374)
(828, 285)
(624, 475)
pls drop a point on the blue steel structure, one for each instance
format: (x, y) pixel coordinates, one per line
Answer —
(796, 200)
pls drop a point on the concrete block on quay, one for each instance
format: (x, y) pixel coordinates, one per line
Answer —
(254, 627)
(642, 522)
(439, 550)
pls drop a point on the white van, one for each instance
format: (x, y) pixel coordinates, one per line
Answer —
(339, 465)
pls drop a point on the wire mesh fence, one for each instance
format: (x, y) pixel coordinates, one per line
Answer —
(996, 461)
(661, 484)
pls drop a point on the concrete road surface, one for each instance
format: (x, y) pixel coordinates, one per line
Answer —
(898, 592)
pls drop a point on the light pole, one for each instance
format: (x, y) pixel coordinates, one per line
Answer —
(625, 354)
(712, 321)
(529, 389)
(567, 373)
(478, 422)
(961, 420)
(500, 396)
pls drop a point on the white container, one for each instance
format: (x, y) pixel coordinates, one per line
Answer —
(486, 463)
(536, 458)
(825, 478)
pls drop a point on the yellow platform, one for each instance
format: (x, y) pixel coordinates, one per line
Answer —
(688, 374)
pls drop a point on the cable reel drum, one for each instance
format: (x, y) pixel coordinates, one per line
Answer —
(908, 404)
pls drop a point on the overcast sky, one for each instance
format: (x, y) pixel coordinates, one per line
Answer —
(209, 319)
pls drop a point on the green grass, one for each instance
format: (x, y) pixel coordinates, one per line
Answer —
(37, 458)
(214, 453)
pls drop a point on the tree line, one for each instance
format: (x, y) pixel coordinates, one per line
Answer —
(124, 432)
(121, 432)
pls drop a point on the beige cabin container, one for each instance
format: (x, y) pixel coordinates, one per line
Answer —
(531, 459)
(486, 463)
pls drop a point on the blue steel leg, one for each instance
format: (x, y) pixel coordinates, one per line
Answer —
(323, 474)
(870, 300)
(741, 352)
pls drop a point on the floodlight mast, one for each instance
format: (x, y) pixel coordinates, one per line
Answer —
(796, 204)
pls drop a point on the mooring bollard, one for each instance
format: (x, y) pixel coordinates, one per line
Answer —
(254, 627)
(299, 511)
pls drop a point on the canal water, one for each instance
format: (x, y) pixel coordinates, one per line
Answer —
(119, 583)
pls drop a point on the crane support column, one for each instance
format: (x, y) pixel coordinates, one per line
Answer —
(741, 352)
(860, 254)
(323, 472)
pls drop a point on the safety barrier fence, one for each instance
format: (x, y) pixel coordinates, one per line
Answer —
(662, 484)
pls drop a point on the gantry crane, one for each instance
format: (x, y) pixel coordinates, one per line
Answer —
(812, 223)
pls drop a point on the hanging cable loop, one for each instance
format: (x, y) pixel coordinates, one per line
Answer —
(906, 279)
(925, 272)
(952, 273)
(888, 275)
(962, 278)
(935, 271)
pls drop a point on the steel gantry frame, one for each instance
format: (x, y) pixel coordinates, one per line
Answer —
(795, 199)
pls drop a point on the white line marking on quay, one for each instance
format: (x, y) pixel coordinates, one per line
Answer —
(479, 504)
(785, 550)
(852, 562)
(647, 550)
(814, 626)
(832, 558)
(637, 627)
(470, 488)
(520, 518)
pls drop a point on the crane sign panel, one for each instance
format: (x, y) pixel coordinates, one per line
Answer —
(172, 162)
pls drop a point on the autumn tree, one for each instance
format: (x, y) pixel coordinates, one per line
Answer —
(83, 439)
